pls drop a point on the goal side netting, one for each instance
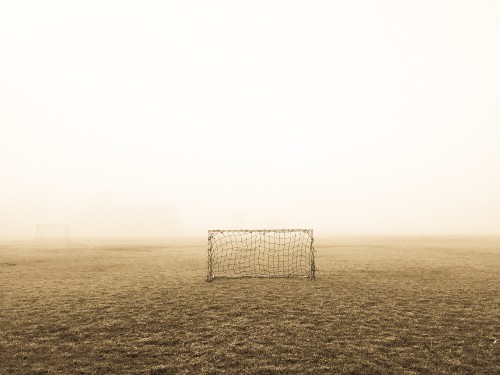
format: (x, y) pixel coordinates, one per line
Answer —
(261, 253)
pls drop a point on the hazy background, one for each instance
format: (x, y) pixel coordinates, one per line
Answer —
(141, 119)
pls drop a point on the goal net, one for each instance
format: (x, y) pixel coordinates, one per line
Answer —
(52, 232)
(261, 253)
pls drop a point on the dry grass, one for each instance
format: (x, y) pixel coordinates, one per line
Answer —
(379, 305)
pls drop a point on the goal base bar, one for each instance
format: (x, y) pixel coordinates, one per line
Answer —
(259, 277)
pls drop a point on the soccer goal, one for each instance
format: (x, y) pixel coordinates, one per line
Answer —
(52, 232)
(261, 253)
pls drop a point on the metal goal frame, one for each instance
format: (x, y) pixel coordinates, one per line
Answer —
(266, 253)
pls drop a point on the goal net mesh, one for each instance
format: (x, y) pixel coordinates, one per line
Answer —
(261, 253)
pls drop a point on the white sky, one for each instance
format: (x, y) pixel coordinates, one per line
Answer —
(174, 117)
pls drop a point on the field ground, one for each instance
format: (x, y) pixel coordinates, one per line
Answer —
(379, 305)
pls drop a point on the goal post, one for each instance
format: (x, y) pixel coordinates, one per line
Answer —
(261, 253)
(52, 232)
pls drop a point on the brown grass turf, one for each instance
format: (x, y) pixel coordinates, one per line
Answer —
(379, 305)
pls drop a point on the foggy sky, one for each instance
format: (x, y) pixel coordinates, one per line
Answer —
(150, 119)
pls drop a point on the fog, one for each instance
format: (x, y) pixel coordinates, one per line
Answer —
(155, 119)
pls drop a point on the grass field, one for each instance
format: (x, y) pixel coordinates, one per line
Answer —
(379, 305)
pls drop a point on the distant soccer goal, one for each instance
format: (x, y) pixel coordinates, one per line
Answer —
(52, 232)
(261, 253)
